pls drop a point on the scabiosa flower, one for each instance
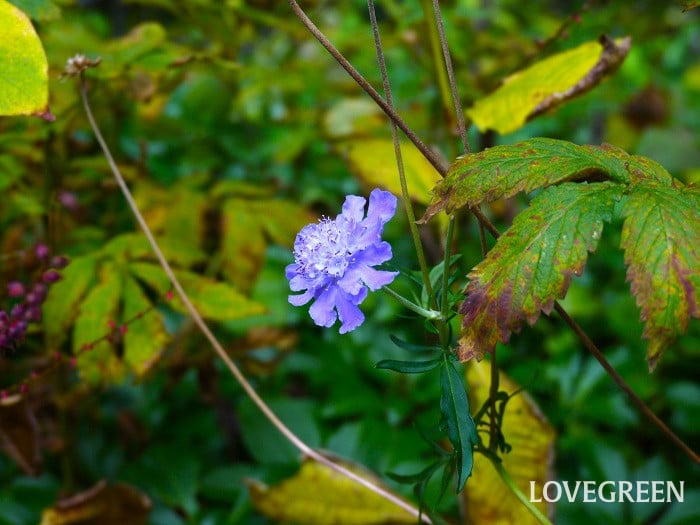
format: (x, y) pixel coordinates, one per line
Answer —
(334, 259)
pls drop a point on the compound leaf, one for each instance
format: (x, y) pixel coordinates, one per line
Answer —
(504, 171)
(547, 84)
(661, 239)
(532, 264)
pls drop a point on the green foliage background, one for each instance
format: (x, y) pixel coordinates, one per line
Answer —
(228, 121)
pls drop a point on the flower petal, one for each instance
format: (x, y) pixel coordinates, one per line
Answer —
(322, 310)
(354, 208)
(301, 299)
(375, 279)
(382, 206)
(350, 315)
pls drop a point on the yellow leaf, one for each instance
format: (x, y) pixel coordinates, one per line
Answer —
(547, 83)
(373, 162)
(317, 495)
(24, 87)
(487, 498)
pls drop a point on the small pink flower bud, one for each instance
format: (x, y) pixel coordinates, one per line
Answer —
(41, 250)
(51, 276)
(15, 289)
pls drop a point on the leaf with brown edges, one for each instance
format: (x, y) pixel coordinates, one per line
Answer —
(661, 239)
(532, 264)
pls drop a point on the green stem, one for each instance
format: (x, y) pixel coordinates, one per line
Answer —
(537, 513)
(432, 315)
(493, 392)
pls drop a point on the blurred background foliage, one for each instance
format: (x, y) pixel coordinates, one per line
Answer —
(235, 128)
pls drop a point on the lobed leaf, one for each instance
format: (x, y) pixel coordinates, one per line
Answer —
(532, 264)
(504, 171)
(24, 83)
(461, 430)
(661, 239)
(547, 84)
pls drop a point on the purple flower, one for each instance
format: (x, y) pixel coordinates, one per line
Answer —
(334, 259)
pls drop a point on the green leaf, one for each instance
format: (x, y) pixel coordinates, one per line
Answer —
(532, 264)
(408, 367)
(214, 300)
(39, 10)
(146, 337)
(461, 430)
(547, 84)
(661, 239)
(504, 171)
(101, 305)
(64, 298)
(24, 88)
(412, 347)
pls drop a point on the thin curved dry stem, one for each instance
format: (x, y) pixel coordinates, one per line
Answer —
(434, 160)
(418, 245)
(199, 321)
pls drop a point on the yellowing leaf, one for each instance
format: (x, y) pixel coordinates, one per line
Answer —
(24, 88)
(487, 498)
(317, 495)
(661, 239)
(213, 299)
(373, 162)
(102, 504)
(547, 84)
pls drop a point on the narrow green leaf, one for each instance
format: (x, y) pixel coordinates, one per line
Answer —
(412, 347)
(408, 367)
(532, 264)
(504, 171)
(100, 306)
(63, 302)
(461, 430)
(24, 87)
(145, 337)
(661, 239)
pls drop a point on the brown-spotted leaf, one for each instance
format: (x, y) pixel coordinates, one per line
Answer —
(504, 171)
(317, 495)
(533, 262)
(547, 84)
(661, 239)
(527, 431)
(103, 504)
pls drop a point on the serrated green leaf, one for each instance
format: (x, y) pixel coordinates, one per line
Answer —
(661, 239)
(39, 10)
(373, 162)
(504, 171)
(532, 264)
(100, 306)
(547, 84)
(408, 367)
(461, 430)
(146, 337)
(24, 88)
(64, 298)
(214, 300)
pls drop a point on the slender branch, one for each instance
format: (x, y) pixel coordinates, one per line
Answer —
(537, 513)
(493, 413)
(429, 154)
(459, 112)
(199, 321)
(636, 400)
(413, 227)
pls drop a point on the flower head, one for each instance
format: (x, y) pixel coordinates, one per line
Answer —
(334, 260)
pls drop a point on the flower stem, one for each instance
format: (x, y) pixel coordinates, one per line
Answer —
(432, 315)
(537, 513)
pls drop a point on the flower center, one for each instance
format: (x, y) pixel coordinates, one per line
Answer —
(323, 249)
